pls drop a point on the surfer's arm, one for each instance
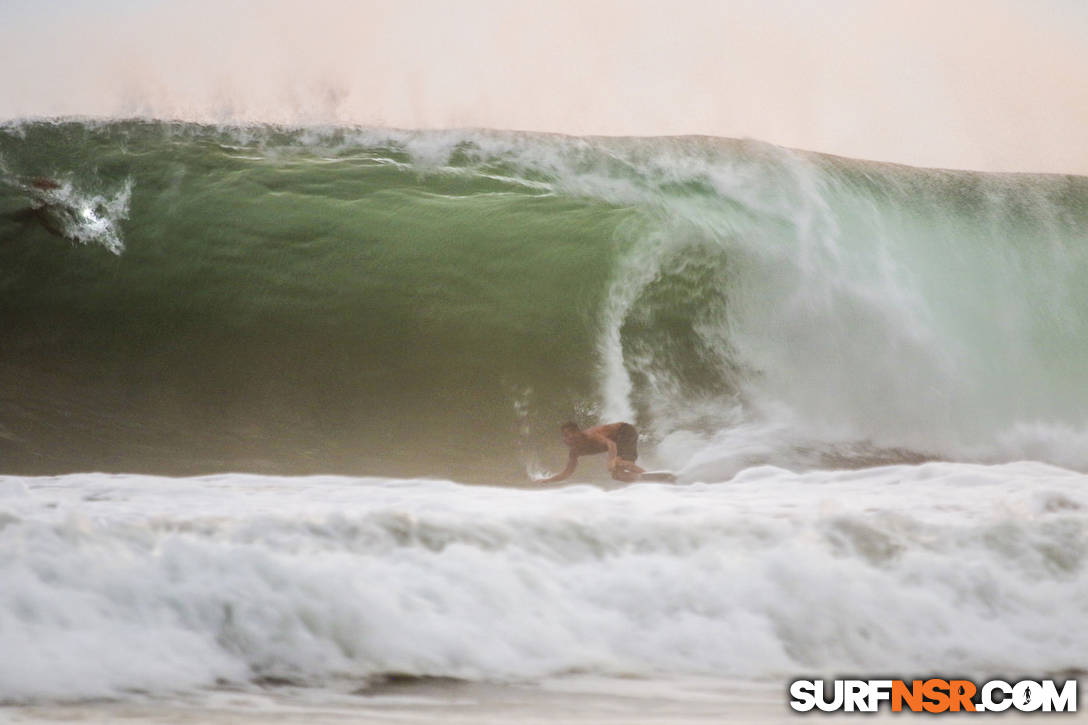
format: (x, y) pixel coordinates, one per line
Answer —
(612, 452)
(572, 463)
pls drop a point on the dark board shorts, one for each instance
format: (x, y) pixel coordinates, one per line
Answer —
(627, 442)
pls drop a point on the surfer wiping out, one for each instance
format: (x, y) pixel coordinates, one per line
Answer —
(44, 209)
(620, 440)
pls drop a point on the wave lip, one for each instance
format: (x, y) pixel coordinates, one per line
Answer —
(134, 583)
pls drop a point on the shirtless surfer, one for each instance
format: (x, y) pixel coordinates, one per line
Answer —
(620, 440)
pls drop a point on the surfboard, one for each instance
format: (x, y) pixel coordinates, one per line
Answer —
(662, 476)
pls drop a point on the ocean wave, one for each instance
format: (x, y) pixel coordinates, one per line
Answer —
(121, 584)
(301, 300)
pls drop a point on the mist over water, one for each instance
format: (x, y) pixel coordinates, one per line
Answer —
(992, 85)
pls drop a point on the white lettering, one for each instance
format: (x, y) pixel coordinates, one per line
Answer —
(857, 696)
(803, 693)
(1064, 701)
(1027, 696)
(836, 702)
(988, 701)
(879, 691)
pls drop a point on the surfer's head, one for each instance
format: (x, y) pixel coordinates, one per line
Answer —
(571, 432)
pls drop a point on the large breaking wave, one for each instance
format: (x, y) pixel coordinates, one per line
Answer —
(435, 303)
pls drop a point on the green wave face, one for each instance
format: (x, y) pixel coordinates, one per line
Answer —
(184, 299)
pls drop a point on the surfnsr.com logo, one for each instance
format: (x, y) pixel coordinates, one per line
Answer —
(933, 695)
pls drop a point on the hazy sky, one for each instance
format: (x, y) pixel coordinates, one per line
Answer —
(985, 84)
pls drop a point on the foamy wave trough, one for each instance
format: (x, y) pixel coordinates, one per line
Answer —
(115, 584)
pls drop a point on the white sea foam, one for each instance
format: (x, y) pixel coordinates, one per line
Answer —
(83, 215)
(112, 584)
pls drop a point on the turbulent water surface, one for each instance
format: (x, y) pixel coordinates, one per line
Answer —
(118, 584)
(871, 378)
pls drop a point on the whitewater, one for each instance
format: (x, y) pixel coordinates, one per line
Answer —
(123, 583)
(274, 397)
